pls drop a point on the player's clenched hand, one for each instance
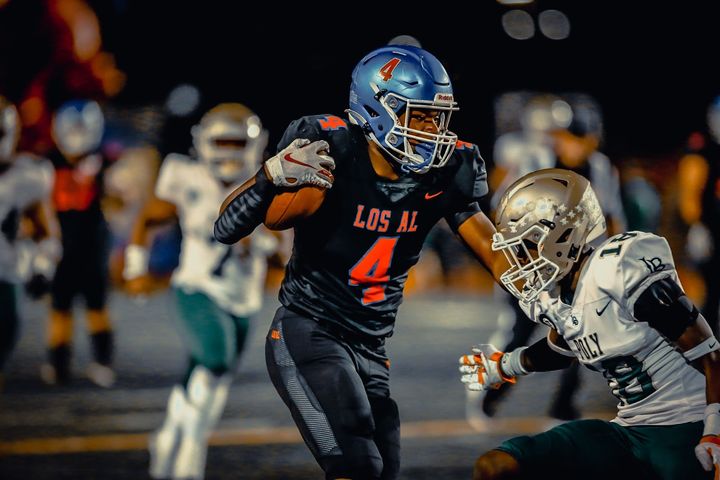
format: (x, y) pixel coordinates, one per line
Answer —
(481, 370)
(302, 163)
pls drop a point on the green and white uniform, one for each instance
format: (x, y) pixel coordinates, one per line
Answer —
(217, 287)
(232, 276)
(661, 397)
(27, 180)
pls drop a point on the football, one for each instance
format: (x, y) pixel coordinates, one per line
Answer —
(291, 205)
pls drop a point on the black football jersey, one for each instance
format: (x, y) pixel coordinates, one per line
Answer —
(351, 258)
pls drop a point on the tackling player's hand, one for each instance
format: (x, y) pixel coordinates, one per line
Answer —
(708, 453)
(302, 163)
(707, 450)
(481, 370)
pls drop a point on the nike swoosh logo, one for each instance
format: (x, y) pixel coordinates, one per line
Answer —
(600, 312)
(428, 196)
(711, 345)
(298, 162)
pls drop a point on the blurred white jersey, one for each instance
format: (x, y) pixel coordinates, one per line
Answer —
(233, 276)
(653, 381)
(520, 154)
(28, 180)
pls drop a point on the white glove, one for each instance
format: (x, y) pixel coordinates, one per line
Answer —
(300, 163)
(47, 256)
(482, 370)
(136, 262)
(707, 450)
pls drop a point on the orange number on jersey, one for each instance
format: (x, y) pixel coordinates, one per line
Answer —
(387, 69)
(371, 272)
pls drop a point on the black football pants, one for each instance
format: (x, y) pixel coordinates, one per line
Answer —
(338, 394)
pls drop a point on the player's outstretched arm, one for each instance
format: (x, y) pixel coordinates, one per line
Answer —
(300, 163)
(488, 368)
(476, 230)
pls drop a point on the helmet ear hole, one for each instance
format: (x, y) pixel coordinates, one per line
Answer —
(564, 237)
(372, 112)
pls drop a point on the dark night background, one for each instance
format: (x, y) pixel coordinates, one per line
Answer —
(650, 64)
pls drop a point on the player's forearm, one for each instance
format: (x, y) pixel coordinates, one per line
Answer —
(539, 357)
(244, 209)
(476, 232)
(711, 368)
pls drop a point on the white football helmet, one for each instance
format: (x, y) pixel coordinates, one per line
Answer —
(231, 141)
(543, 223)
(9, 130)
(78, 127)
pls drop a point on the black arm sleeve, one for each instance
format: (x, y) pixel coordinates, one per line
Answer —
(539, 357)
(666, 308)
(456, 219)
(246, 211)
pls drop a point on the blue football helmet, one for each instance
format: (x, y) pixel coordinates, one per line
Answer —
(386, 86)
(78, 127)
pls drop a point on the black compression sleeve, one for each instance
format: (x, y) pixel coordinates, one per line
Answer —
(246, 211)
(666, 308)
(541, 358)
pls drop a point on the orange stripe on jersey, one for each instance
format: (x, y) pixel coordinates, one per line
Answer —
(332, 122)
(460, 145)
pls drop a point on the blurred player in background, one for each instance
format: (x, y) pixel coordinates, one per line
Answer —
(25, 186)
(390, 170)
(554, 133)
(77, 130)
(58, 53)
(699, 197)
(620, 310)
(217, 287)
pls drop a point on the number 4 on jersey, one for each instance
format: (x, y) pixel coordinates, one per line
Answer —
(371, 272)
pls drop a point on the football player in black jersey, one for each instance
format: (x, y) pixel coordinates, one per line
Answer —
(392, 170)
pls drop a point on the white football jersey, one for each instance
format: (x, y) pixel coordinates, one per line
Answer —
(653, 381)
(521, 154)
(233, 276)
(28, 180)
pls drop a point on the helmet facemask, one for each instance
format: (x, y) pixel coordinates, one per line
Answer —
(544, 222)
(417, 150)
(78, 127)
(524, 254)
(231, 146)
(387, 86)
